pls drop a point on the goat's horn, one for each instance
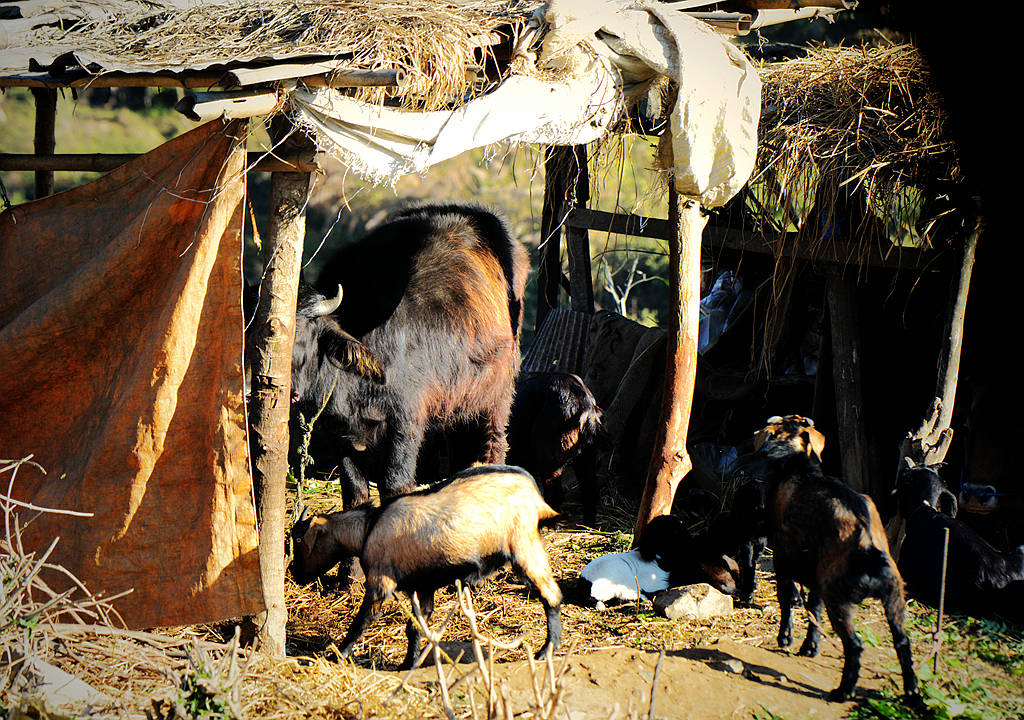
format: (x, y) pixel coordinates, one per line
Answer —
(303, 514)
(328, 305)
(809, 421)
(774, 419)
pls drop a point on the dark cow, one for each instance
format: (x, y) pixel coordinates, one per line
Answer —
(435, 294)
(554, 422)
(980, 580)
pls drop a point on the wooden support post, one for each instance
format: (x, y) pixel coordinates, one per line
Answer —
(930, 442)
(577, 240)
(563, 167)
(846, 377)
(670, 461)
(45, 140)
(271, 361)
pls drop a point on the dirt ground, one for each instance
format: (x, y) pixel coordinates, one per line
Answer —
(728, 679)
(726, 667)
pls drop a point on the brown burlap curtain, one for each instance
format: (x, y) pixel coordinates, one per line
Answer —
(121, 372)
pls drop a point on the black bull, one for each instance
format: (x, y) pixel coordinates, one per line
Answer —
(431, 316)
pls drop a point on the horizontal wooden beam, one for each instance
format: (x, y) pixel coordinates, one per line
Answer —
(205, 79)
(97, 162)
(721, 237)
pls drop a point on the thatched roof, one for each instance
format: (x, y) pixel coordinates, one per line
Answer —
(844, 130)
(432, 42)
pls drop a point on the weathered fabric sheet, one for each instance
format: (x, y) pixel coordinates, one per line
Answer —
(121, 372)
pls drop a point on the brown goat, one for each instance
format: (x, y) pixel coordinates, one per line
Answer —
(830, 539)
(467, 529)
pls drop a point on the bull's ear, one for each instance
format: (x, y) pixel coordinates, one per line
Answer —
(815, 441)
(352, 355)
(947, 503)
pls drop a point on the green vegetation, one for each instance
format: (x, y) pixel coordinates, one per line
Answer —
(981, 668)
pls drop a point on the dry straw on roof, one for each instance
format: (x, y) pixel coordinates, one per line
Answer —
(432, 41)
(859, 122)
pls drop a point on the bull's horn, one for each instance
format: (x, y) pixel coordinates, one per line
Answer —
(328, 305)
(809, 421)
(774, 420)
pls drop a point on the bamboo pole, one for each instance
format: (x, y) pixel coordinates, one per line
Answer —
(670, 461)
(205, 80)
(271, 361)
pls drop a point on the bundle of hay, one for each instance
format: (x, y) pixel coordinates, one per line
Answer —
(849, 129)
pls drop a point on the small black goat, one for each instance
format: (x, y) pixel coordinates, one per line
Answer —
(979, 578)
(554, 422)
(466, 529)
(743, 534)
(830, 539)
(688, 558)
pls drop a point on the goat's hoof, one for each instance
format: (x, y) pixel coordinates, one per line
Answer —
(785, 640)
(808, 649)
(839, 695)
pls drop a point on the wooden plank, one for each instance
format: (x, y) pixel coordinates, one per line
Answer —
(105, 162)
(742, 240)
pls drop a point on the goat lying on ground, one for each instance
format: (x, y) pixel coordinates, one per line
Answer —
(467, 529)
(831, 540)
(979, 578)
(666, 556)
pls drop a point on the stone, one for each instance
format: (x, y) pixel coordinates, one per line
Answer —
(698, 601)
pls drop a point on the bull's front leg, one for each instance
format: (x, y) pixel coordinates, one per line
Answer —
(402, 445)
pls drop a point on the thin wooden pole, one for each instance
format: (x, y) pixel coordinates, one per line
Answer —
(670, 461)
(45, 140)
(271, 361)
(942, 600)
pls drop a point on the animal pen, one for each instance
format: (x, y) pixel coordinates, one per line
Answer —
(836, 127)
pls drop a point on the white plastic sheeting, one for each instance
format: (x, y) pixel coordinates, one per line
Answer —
(382, 143)
(611, 52)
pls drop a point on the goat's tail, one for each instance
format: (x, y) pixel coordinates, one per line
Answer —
(876, 570)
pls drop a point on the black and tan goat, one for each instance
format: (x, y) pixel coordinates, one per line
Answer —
(830, 539)
(466, 529)
(980, 579)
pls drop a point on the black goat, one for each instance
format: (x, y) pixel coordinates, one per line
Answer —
(830, 539)
(742, 533)
(979, 578)
(467, 529)
(688, 558)
(555, 422)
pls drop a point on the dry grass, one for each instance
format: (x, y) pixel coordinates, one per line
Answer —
(432, 42)
(854, 122)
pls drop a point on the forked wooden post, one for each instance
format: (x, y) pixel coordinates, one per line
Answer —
(271, 360)
(670, 461)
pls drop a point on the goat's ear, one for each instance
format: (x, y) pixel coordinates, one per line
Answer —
(814, 440)
(947, 503)
(352, 355)
(761, 437)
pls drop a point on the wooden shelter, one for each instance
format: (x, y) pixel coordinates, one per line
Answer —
(246, 67)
